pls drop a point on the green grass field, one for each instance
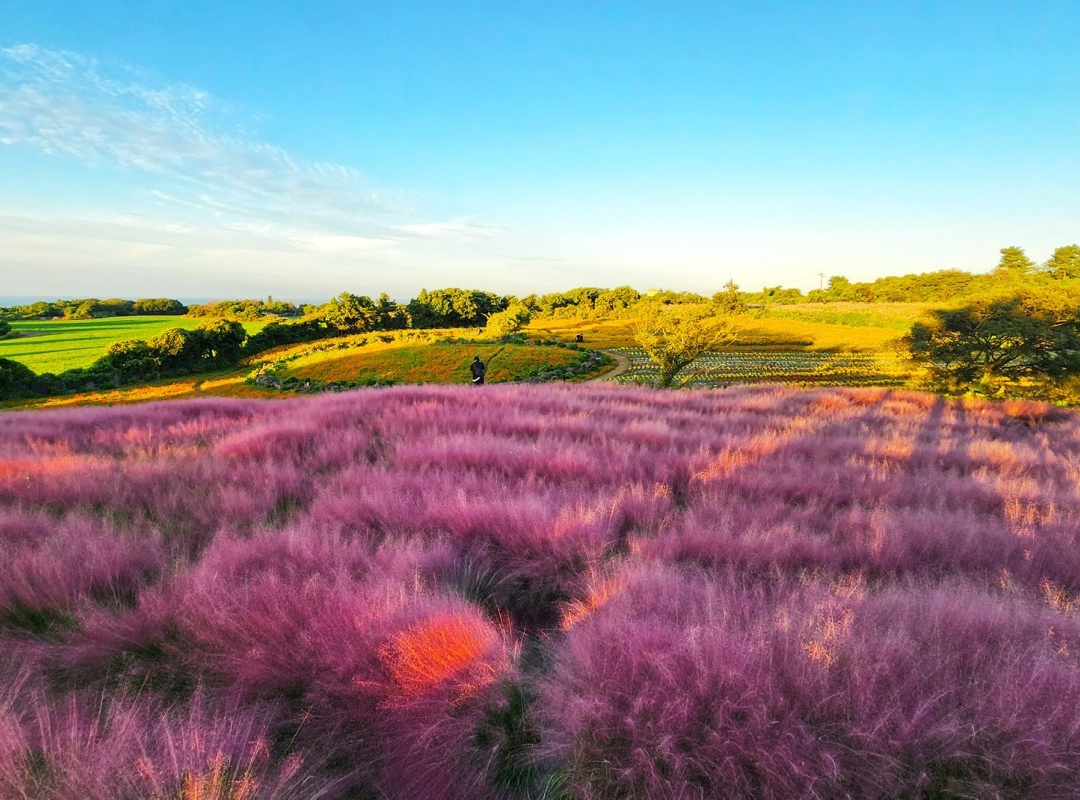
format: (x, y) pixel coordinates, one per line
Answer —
(894, 316)
(58, 345)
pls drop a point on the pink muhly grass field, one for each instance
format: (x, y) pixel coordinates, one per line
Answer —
(542, 591)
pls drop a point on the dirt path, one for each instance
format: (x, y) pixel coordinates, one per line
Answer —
(622, 364)
(197, 387)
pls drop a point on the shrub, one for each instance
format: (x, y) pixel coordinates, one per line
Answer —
(16, 380)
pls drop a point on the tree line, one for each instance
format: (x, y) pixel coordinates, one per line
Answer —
(946, 285)
(1020, 322)
(218, 343)
(92, 308)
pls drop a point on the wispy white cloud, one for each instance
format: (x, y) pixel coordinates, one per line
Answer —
(459, 230)
(210, 191)
(122, 254)
(70, 104)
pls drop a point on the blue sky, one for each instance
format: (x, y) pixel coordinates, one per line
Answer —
(206, 149)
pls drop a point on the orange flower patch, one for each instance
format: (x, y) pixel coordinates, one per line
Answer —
(431, 363)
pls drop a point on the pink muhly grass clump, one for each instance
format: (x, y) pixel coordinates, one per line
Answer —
(147, 429)
(375, 673)
(660, 690)
(694, 685)
(395, 678)
(295, 554)
(940, 692)
(145, 649)
(53, 566)
(521, 557)
(444, 666)
(98, 748)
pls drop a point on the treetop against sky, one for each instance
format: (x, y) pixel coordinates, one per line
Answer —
(198, 149)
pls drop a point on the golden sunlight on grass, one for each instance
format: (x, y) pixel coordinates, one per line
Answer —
(234, 386)
(757, 448)
(599, 597)
(219, 783)
(828, 627)
(441, 649)
(23, 468)
(753, 332)
(597, 333)
(175, 389)
(218, 384)
(791, 334)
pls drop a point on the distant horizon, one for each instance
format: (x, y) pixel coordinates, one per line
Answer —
(6, 301)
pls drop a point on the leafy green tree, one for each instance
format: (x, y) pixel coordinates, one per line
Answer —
(389, 316)
(1002, 335)
(454, 308)
(158, 305)
(1064, 264)
(16, 380)
(40, 310)
(776, 294)
(5, 327)
(350, 313)
(730, 301)
(513, 319)
(278, 333)
(620, 298)
(129, 360)
(178, 350)
(1014, 263)
(674, 337)
(87, 309)
(221, 341)
(114, 307)
(924, 287)
(673, 298)
(244, 309)
(840, 288)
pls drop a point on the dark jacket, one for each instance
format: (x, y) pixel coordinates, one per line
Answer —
(478, 369)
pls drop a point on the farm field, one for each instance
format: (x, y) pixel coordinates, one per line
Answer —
(809, 367)
(59, 345)
(555, 591)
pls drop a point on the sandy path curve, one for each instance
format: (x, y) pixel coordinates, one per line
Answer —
(622, 364)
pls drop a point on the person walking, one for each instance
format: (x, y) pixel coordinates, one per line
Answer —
(478, 370)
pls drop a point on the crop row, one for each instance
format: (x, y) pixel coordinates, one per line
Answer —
(779, 367)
